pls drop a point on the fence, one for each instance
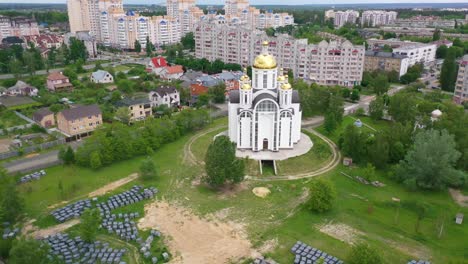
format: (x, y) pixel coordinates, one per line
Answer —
(29, 149)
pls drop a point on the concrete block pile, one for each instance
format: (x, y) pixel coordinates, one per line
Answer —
(70, 211)
(306, 254)
(33, 176)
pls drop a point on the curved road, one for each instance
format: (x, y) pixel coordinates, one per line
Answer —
(336, 158)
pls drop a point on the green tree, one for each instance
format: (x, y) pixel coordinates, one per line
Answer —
(378, 153)
(123, 114)
(95, 160)
(436, 35)
(353, 143)
(430, 163)
(364, 254)
(376, 108)
(67, 156)
(441, 52)
(188, 41)
(322, 196)
(448, 73)
(90, 221)
(27, 251)
(218, 93)
(221, 164)
(334, 112)
(11, 203)
(387, 48)
(77, 50)
(148, 169)
(380, 84)
(149, 47)
(355, 95)
(402, 108)
(137, 46)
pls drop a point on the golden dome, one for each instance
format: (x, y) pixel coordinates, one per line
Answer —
(246, 86)
(286, 86)
(281, 78)
(265, 43)
(244, 78)
(264, 61)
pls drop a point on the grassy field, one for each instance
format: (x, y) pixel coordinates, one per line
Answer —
(312, 160)
(10, 119)
(280, 216)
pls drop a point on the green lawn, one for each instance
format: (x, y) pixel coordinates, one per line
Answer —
(317, 157)
(280, 216)
(10, 119)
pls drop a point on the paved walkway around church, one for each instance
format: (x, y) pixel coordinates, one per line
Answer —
(336, 159)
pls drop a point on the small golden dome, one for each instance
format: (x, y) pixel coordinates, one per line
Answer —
(246, 86)
(244, 78)
(264, 61)
(286, 86)
(281, 78)
(265, 43)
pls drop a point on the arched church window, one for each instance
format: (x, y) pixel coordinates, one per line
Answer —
(267, 106)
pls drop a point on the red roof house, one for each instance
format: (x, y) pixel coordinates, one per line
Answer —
(156, 64)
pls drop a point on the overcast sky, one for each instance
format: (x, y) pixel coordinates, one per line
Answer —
(261, 2)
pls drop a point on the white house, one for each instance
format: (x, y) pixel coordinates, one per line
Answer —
(101, 76)
(265, 113)
(172, 72)
(418, 53)
(156, 65)
(164, 95)
(22, 88)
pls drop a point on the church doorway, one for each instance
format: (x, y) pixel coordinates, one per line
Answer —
(265, 144)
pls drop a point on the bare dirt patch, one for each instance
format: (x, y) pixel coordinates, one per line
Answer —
(113, 185)
(261, 192)
(5, 145)
(341, 232)
(196, 240)
(419, 252)
(459, 198)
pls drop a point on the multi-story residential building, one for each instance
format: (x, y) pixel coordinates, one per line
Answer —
(418, 53)
(57, 82)
(336, 62)
(44, 117)
(426, 21)
(78, 15)
(385, 61)
(330, 14)
(139, 108)
(460, 94)
(17, 27)
(372, 18)
(186, 12)
(345, 17)
(164, 95)
(79, 120)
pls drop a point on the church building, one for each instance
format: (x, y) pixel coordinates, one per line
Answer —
(265, 113)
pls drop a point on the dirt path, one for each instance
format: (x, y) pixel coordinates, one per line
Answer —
(189, 158)
(113, 185)
(196, 240)
(458, 197)
(41, 233)
(336, 158)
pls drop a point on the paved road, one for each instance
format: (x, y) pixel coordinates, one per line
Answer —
(35, 162)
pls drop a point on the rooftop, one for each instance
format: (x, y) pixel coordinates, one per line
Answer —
(81, 111)
(383, 54)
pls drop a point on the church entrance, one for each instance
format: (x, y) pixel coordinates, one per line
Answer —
(265, 144)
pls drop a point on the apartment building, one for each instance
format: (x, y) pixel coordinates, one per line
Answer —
(79, 120)
(373, 18)
(344, 17)
(460, 95)
(139, 108)
(415, 51)
(17, 27)
(327, 63)
(385, 61)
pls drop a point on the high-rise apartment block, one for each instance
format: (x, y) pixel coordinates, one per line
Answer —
(18, 27)
(327, 63)
(460, 94)
(344, 17)
(107, 21)
(372, 18)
